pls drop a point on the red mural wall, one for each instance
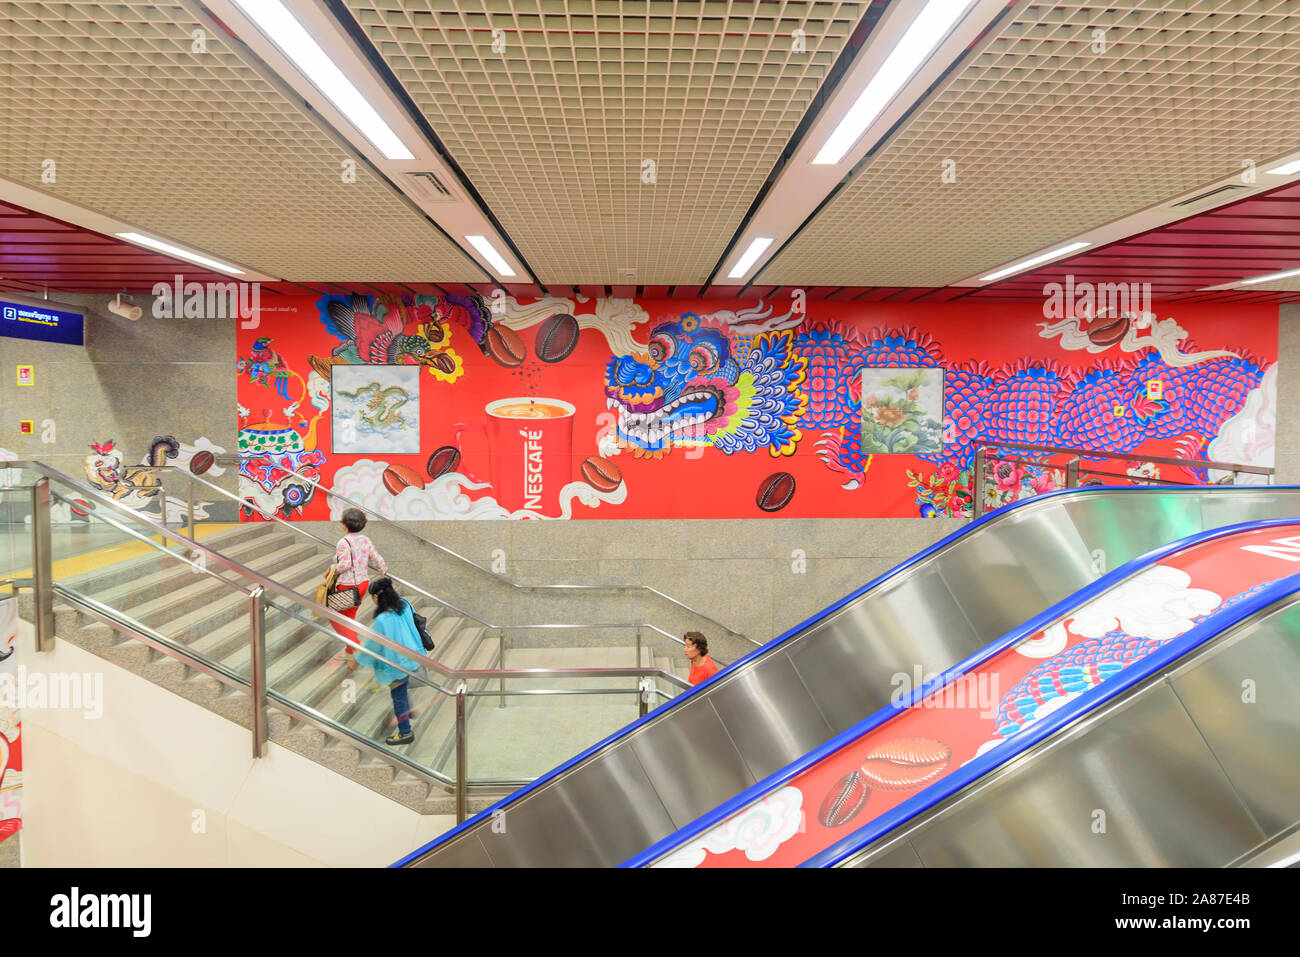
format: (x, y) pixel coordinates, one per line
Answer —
(458, 407)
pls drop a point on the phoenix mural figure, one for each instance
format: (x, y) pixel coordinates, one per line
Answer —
(748, 380)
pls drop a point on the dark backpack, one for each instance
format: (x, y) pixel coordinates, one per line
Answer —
(422, 626)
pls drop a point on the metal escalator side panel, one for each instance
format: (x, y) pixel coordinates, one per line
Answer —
(592, 817)
(421, 856)
(829, 789)
(1114, 796)
(1245, 700)
(1189, 770)
(843, 657)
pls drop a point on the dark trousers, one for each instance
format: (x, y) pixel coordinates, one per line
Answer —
(401, 705)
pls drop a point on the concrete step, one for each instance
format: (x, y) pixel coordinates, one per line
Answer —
(202, 598)
(234, 544)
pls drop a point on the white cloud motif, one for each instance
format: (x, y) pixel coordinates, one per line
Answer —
(1249, 436)
(757, 830)
(1052, 640)
(445, 498)
(1158, 603)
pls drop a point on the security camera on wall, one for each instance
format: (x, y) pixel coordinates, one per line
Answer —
(127, 310)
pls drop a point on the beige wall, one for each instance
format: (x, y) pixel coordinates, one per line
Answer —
(124, 789)
(132, 381)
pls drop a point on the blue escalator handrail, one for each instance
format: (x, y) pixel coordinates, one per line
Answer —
(776, 642)
(778, 778)
(1087, 702)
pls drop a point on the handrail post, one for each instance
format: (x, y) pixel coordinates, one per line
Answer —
(1072, 473)
(644, 687)
(462, 762)
(638, 646)
(501, 663)
(190, 505)
(257, 666)
(977, 507)
(42, 565)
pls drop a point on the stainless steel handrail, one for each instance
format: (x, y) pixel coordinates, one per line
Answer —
(298, 530)
(1074, 467)
(1131, 457)
(258, 602)
(319, 610)
(330, 493)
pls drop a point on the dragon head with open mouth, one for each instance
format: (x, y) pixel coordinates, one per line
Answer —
(698, 385)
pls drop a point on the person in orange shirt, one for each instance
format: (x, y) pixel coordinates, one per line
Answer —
(697, 653)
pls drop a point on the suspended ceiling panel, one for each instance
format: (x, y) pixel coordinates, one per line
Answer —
(196, 146)
(1050, 139)
(555, 128)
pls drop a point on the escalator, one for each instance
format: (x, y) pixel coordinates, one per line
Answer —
(645, 792)
(1195, 766)
(1121, 730)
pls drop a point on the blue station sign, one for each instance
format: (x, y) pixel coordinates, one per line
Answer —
(27, 320)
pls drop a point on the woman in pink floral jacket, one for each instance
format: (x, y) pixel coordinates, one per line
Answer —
(354, 556)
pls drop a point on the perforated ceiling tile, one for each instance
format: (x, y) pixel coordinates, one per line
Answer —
(196, 146)
(1050, 139)
(555, 125)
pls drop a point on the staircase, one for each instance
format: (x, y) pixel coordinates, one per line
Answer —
(526, 737)
(211, 619)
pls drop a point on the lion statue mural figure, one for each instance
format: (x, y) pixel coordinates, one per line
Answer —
(136, 485)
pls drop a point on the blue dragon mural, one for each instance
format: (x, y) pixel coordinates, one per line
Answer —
(749, 385)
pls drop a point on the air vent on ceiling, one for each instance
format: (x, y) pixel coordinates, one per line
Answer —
(1222, 192)
(429, 188)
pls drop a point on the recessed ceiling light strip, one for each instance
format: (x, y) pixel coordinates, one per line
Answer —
(927, 31)
(179, 252)
(750, 256)
(1034, 261)
(489, 252)
(297, 44)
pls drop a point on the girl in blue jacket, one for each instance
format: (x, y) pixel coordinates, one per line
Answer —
(393, 621)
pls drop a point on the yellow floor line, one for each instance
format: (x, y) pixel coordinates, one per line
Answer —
(112, 554)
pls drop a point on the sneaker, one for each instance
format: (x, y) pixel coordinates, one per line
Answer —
(395, 739)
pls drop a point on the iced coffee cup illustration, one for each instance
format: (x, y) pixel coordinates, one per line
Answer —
(530, 451)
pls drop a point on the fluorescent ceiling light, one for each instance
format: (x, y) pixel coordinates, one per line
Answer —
(178, 252)
(926, 32)
(297, 44)
(756, 249)
(1041, 258)
(1271, 276)
(1285, 170)
(489, 252)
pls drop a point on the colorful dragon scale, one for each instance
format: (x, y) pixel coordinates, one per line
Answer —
(778, 401)
(1021, 403)
(753, 391)
(1084, 666)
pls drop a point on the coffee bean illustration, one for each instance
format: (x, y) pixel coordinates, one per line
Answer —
(601, 474)
(1107, 331)
(442, 461)
(202, 461)
(775, 492)
(557, 338)
(505, 347)
(399, 477)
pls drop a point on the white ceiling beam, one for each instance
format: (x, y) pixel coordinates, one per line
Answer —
(457, 214)
(47, 204)
(802, 185)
